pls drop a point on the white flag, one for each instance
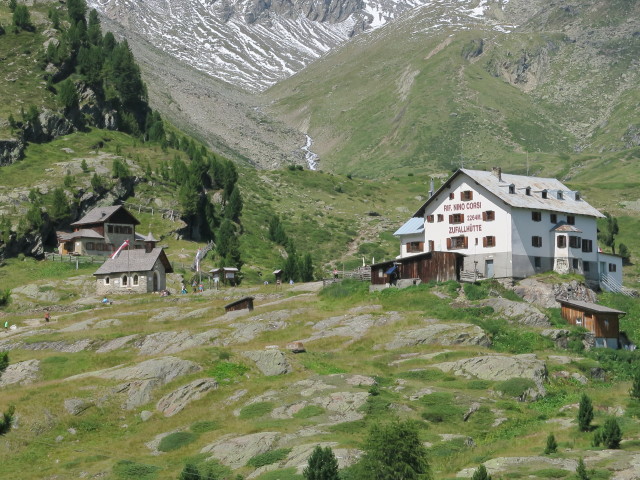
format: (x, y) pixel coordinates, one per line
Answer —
(117, 252)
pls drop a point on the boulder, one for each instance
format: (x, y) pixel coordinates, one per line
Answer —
(116, 343)
(351, 326)
(235, 452)
(499, 368)
(517, 312)
(560, 336)
(173, 342)
(441, 334)
(11, 150)
(21, 373)
(544, 295)
(75, 406)
(177, 400)
(269, 362)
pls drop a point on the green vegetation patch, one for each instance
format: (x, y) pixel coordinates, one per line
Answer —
(176, 440)
(309, 411)
(515, 387)
(321, 363)
(286, 474)
(425, 375)
(227, 372)
(268, 458)
(204, 426)
(440, 407)
(256, 410)
(129, 470)
(550, 473)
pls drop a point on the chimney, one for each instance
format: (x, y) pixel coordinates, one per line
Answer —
(497, 171)
(431, 188)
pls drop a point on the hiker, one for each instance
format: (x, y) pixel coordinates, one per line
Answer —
(47, 316)
(6, 325)
(194, 285)
(106, 301)
(335, 273)
(184, 290)
(201, 288)
(291, 281)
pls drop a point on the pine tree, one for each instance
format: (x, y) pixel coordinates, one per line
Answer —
(12, 5)
(4, 361)
(94, 31)
(119, 169)
(77, 9)
(585, 413)
(306, 268)
(481, 474)
(190, 472)
(54, 16)
(228, 245)
(6, 420)
(322, 465)
(552, 445)
(22, 18)
(60, 209)
(611, 434)
(635, 387)
(233, 208)
(68, 95)
(581, 471)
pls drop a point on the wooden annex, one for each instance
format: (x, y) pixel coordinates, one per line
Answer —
(603, 322)
(424, 267)
(245, 303)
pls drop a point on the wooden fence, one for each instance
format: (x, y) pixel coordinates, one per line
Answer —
(56, 257)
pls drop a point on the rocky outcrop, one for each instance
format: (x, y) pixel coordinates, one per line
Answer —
(269, 362)
(499, 368)
(21, 373)
(11, 150)
(351, 326)
(177, 400)
(441, 334)
(173, 342)
(235, 452)
(517, 312)
(544, 294)
(502, 464)
(75, 406)
(59, 346)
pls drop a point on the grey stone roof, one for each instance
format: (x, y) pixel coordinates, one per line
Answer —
(82, 233)
(136, 260)
(102, 214)
(500, 187)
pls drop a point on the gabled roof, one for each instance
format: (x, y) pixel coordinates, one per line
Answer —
(102, 214)
(520, 183)
(82, 233)
(590, 307)
(136, 260)
(565, 227)
(413, 225)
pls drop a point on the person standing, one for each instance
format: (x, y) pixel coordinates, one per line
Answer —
(47, 316)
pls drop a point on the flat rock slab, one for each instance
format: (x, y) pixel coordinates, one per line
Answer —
(235, 452)
(177, 400)
(92, 324)
(517, 312)
(251, 327)
(60, 346)
(269, 362)
(499, 368)
(173, 342)
(502, 464)
(116, 343)
(351, 326)
(21, 373)
(441, 334)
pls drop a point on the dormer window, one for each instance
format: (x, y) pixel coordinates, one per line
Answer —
(527, 191)
(543, 193)
(512, 188)
(559, 195)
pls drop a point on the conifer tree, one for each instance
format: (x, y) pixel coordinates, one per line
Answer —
(611, 434)
(233, 208)
(190, 472)
(60, 209)
(585, 413)
(581, 471)
(228, 245)
(306, 268)
(481, 474)
(552, 445)
(77, 10)
(322, 465)
(6, 420)
(4, 361)
(22, 18)
(94, 30)
(12, 5)
(68, 95)
(635, 387)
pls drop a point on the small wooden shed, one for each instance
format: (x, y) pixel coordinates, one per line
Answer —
(245, 303)
(603, 322)
(224, 275)
(436, 266)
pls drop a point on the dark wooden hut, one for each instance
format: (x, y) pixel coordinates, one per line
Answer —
(425, 267)
(603, 322)
(245, 303)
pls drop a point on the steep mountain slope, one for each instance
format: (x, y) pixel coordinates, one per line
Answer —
(252, 44)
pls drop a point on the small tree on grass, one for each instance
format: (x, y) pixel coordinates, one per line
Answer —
(635, 387)
(481, 474)
(190, 472)
(4, 361)
(585, 413)
(581, 471)
(322, 465)
(6, 420)
(552, 445)
(611, 434)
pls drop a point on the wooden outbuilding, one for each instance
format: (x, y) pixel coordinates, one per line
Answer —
(224, 275)
(603, 322)
(245, 303)
(414, 269)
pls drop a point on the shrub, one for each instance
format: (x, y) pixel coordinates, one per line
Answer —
(309, 411)
(581, 470)
(6, 420)
(204, 426)
(552, 445)
(550, 473)
(227, 372)
(635, 387)
(611, 434)
(322, 465)
(256, 410)
(128, 470)
(585, 413)
(481, 474)
(515, 387)
(268, 458)
(4, 361)
(475, 291)
(176, 440)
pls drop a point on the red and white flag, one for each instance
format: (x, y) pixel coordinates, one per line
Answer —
(198, 254)
(117, 252)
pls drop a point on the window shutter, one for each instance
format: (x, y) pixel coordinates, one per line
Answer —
(484, 216)
(484, 241)
(431, 245)
(450, 218)
(448, 243)
(466, 242)
(421, 246)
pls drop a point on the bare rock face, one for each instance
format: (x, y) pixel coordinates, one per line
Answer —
(270, 362)
(173, 342)
(544, 294)
(21, 373)
(11, 150)
(177, 400)
(235, 452)
(500, 368)
(75, 406)
(518, 312)
(441, 334)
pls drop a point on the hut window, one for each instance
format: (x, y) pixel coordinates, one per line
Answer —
(606, 324)
(106, 280)
(380, 273)
(135, 279)
(455, 243)
(543, 194)
(489, 241)
(536, 216)
(488, 216)
(124, 280)
(562, 241)
(456, 218)
(90, 246)
(587, 245)
(110, 228)
(585, 266)
(429, 218)
(571, 219)
(579, 321)
(537, 262)
(612, 267)
(440, 217)
(536, 241)
(413, 247)
(466, 195)
(575, 242)
(576, 264)
(452, 196)
(553, 217)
